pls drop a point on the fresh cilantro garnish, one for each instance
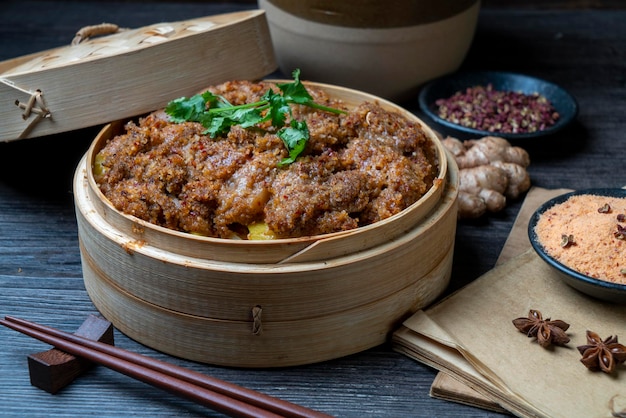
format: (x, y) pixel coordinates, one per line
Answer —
(295, 138)
(217, 115)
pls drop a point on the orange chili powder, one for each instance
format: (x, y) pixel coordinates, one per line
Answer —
(597, 250)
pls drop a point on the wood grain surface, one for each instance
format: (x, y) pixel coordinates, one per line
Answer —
(583, 50)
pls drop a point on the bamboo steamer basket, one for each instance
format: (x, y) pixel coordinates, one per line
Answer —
(271, 303)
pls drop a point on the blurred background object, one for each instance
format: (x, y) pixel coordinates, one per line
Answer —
(384, 48)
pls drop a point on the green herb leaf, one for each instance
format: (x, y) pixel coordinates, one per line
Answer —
(213, 100)
(295, 91)
(216, 125)
(278, 108)
(295, 139)
(184, 109)
(217, 115)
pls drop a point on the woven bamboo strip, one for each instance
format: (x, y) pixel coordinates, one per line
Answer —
(286, 343)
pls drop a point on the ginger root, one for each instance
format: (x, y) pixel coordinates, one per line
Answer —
(491, 171)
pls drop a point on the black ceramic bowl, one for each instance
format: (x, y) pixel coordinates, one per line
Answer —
(612, 292)
(444, 87)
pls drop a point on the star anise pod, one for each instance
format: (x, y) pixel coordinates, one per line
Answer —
(546, 331)
(602, 355)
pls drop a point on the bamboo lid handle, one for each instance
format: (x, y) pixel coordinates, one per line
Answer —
(95, 30)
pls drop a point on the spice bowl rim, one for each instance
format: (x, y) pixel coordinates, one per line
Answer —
(597, 288)
(445, 86)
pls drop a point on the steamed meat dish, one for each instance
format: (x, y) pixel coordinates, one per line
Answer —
(357, 168)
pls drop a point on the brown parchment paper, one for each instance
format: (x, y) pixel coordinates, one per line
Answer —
(470, 336)
(449, 387)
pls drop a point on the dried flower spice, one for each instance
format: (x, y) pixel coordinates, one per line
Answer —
(620, 233)
(621, 218)
(600, 354)
(486, 109)
(546, 331)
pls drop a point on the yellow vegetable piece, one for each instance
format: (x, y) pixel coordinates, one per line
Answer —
(98, 168)
(260, 231)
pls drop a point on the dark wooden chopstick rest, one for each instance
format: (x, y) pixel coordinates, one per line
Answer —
(54, 369)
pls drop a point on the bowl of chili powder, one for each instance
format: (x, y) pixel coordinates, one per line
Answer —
(509, 105)
(582, 235)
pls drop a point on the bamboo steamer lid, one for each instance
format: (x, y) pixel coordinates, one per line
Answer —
(130, 72)
(222, 302)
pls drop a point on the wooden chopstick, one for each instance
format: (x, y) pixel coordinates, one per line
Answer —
(219, 395)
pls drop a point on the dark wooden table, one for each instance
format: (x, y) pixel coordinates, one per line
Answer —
(40, 271)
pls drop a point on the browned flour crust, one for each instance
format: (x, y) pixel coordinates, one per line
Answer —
(358, 168)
